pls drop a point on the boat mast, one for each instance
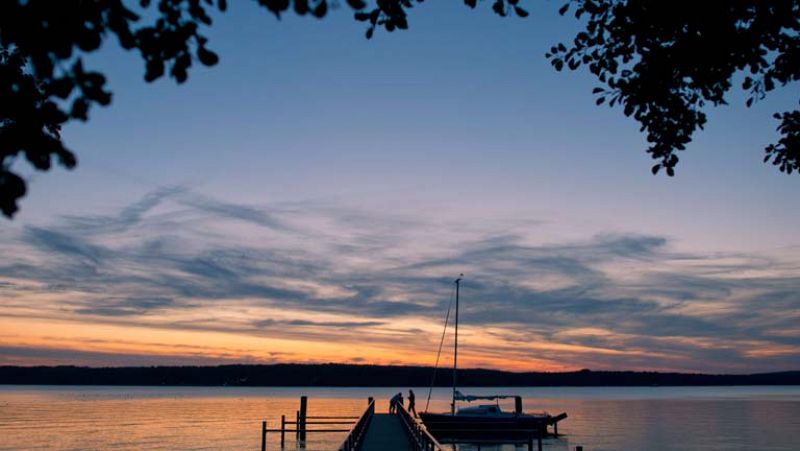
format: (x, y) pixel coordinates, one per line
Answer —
(455, 352)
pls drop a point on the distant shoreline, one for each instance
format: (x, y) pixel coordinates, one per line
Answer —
(343, 375)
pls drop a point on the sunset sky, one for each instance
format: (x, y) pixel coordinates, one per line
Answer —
(313, 197)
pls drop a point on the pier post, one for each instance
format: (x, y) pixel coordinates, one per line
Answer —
(263, 436)
(283, 430)
(303, 415)
(539, 442)
(555, 429)
(579, 448)
(530, 442)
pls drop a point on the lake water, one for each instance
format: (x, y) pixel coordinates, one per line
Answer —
(193, 418)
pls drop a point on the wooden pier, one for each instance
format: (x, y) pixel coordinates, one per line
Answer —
(373, 431)
(385, 432)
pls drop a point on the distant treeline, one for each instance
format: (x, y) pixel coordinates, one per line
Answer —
(339, 375)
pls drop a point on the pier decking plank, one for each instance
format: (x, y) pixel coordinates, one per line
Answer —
(385, 433)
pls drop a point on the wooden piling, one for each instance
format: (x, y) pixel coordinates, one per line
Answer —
(283, 430)
(296, 425)
(263, 436)
(303, 414)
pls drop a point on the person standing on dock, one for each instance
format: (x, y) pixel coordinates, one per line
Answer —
(411, 403)
(393, 403)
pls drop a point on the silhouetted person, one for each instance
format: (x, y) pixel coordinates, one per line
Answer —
(400, 399)
(393, 403)
(412, 408)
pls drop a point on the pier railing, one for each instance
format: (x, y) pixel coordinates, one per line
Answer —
(302, 420)
(421, 439)
(356, 435)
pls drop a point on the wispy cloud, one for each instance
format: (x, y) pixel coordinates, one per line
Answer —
(125, 306)
(176, 260)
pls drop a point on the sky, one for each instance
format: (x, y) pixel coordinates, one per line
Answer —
(313, 197)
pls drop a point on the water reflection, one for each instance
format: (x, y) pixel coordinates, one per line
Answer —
(71, 418)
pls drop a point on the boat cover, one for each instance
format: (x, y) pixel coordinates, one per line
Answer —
(469, 398)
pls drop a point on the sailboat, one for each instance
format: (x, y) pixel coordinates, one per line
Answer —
(485, 420)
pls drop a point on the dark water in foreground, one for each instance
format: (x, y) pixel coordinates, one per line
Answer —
(192, 418)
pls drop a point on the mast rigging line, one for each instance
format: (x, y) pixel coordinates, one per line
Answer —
(441, 342)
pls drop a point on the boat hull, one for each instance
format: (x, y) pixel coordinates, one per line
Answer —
(481, 426)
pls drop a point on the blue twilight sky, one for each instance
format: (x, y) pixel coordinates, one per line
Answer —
(362, 175)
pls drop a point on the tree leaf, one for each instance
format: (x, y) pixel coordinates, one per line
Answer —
(320, 10)
(207, 57)
(357, 4)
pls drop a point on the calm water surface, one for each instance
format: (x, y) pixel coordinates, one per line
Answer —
(189, 418)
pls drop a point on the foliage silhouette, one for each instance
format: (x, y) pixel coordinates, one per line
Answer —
(664, 61)
(661, 61)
